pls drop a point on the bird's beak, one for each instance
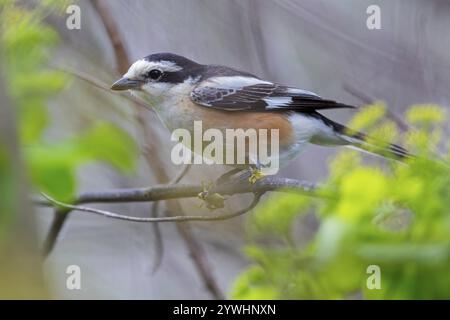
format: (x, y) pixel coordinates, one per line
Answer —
(126, 84)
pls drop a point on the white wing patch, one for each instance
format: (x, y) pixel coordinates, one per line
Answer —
(234, 82)
(242, 92)
(232, 91)
(296, 91)
(277, 102)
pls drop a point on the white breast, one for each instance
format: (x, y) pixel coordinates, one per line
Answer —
(167, 99)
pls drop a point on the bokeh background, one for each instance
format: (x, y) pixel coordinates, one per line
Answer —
(320, 45)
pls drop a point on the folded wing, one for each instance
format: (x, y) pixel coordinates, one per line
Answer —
(235, 93)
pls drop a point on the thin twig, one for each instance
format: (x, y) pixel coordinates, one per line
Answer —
(103, 86)
(165, 192)
(159, 245)
(113, 215)
(168, 192)
(60, 216)
(183, 172)
(112, 30)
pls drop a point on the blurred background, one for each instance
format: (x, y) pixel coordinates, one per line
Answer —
(323, 46)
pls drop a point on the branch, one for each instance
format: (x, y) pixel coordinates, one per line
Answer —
(114, 215)
(167, 192)
(112, 30)
(60, 216)
(103, 86)
(181, 175)
(159, 246)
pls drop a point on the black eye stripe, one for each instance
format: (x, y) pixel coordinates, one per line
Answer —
(173, 77)
(153, 74)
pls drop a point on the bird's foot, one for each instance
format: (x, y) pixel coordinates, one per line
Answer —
(255, 174)
(213, 200)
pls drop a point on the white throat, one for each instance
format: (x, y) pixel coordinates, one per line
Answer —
(166, 98)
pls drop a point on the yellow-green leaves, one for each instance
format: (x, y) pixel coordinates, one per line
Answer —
(360, 193)
(53, 167)
(393, 217)
(427, 120)
(276, 214)
(425, 114)
(110, 144)
(52, 170)
(252, 285)
(27, 44)
(368, 116)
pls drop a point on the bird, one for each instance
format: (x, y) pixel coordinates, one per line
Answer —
(183, 91)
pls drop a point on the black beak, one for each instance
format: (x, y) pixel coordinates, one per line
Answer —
(126, 84)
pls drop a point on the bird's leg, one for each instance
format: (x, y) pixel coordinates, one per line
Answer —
(255, 170)
(252, 173)
(215, 200)
(212, 200)
(255, 173)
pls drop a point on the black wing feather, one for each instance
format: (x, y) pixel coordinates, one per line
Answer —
(264, 96)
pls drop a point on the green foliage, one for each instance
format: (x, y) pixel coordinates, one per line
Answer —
(109, 144)
(53, 166)
(276, 216)
(394, 216)
(368, 117)
(27, 44)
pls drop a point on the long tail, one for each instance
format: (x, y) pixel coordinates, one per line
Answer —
(388, 150)
(362, 142)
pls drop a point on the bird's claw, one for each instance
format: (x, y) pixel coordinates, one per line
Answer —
(213, 200)
(256, 174)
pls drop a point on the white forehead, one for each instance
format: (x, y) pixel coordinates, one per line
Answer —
(142, 66)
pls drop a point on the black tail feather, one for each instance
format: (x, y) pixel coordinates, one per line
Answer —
(366, 143)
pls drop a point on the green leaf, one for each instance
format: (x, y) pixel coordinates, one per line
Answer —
(52, 170)
(110, 144)
(275, 215)
(360, 192)
(33, 119)
(396, 218)
(425, 114)
(368, 116)
(251, 286)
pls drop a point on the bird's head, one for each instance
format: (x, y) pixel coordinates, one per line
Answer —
(159, 73)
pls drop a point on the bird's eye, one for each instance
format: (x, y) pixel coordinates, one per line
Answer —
(154, 74)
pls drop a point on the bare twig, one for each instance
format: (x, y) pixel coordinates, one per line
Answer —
(171, 191)
(113, 33)
(103, 86)
(159, 245)
(181, 175)
(168, 192)
(60, 216)
(183, 218)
